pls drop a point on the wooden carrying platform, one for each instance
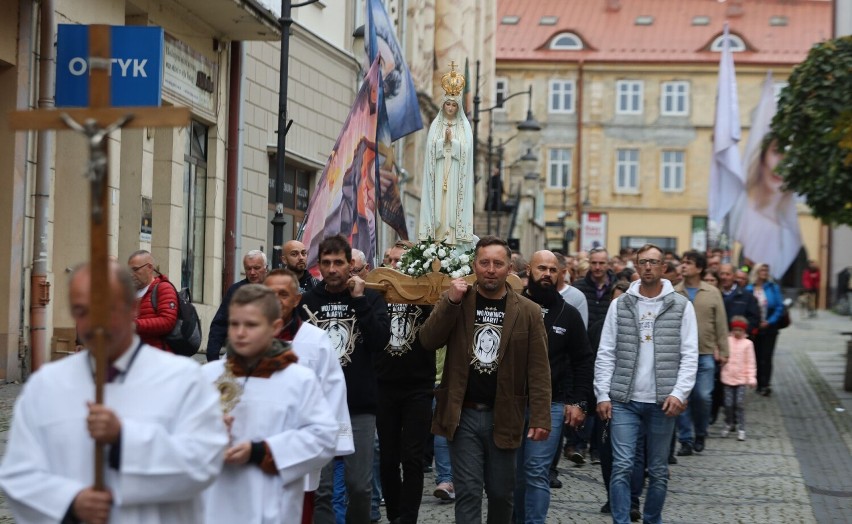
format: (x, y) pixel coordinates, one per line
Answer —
(425, 290)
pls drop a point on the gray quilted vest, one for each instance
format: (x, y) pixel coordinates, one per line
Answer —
(666, 346)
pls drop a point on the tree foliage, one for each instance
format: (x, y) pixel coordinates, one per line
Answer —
(813, 127)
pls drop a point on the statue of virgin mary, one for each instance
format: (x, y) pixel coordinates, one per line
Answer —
(446, 204)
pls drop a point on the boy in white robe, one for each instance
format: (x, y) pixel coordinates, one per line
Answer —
(160, 422)
(281, 426)
(313, 347)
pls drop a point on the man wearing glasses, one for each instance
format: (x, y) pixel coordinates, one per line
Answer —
(360, 266)
(644, 372)
(152, 323)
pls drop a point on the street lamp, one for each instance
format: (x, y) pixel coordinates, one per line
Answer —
(495, 184)
(278, 221)
(530, 124)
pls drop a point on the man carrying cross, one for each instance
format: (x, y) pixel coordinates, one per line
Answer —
(159, 459)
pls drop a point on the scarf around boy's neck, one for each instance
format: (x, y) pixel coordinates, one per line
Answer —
(276, 358)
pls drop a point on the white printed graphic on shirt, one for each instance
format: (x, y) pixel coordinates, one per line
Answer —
(646, 327)
(404, 327)
(486, 339)
(339, 322)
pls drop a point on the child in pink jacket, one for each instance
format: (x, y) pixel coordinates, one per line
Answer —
(740, 371)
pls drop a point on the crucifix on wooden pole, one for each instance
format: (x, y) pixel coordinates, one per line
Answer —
(96, 122)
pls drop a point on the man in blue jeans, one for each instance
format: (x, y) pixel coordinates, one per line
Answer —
(571, 366)
(644, 372)
(712, 344)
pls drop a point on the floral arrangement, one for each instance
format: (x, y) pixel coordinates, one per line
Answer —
(417, 260)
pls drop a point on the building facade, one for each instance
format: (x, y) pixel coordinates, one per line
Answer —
(197, 197)
(625, 93)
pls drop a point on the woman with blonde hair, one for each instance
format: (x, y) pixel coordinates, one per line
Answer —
(771, 303)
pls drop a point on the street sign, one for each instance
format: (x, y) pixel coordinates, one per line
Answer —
(135, 69)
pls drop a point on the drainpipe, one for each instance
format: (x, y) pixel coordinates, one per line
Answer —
(233, 169)
(40, 287)
(579, 155)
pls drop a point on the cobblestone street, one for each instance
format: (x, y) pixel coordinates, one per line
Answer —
(795, 466)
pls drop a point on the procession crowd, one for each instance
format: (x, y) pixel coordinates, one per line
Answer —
(320, 400)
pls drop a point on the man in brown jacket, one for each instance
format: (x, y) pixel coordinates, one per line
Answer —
(496, 366)
(712, 318)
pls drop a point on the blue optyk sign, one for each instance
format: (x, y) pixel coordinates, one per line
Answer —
(136, 74)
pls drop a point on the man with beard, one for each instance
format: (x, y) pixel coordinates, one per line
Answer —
(254, 264)
(571, 369)
(481, 400)
(295, 258)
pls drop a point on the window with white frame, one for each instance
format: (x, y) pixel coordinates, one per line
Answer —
(559, 168)
(736, 44)
(674, 98)
(561, 96)
(501, 91)
(566, 42)
(628, 99)
(672, 169)
(627, 170)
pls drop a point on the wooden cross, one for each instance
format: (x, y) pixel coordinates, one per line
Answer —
(97, 121)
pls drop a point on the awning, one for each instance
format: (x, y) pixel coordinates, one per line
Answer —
(235, 19)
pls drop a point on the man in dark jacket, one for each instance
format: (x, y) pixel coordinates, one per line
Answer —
(571, 371)
(738, 301)
(596, 286)
(496, 365)
(152, 324)
(254, 264)
(356, 320)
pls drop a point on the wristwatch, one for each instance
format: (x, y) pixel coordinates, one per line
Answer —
(583, 405)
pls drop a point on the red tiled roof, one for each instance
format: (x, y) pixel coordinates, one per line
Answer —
(613, 36)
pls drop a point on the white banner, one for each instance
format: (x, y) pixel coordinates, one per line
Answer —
(594, 231)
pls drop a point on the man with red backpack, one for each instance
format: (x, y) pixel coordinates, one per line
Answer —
(153, 323)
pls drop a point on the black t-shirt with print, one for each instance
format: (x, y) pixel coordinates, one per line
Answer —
(404, 363)
(487, 330)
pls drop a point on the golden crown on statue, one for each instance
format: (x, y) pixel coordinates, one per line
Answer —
(453, 82)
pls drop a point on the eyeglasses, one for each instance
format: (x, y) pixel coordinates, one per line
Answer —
(137, 268)
(647, 261)
(356, 270)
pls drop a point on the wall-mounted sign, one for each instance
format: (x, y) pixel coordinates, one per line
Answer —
(190, 78)
(136, 66)
(594, 230)
(147, 225)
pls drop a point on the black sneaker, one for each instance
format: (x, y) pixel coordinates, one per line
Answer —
(555, 483)
(672, 459)
(594, 457)
(605, 509)
(699, 444)
(685, 450)
(577, 458)
(635, 515)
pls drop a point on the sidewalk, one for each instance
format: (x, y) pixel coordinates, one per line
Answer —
(795, 466)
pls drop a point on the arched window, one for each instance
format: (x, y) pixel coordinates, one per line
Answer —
(566, 42)
(736, 43)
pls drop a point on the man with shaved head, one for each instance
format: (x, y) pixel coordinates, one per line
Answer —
(571, 370)
(295, 258)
